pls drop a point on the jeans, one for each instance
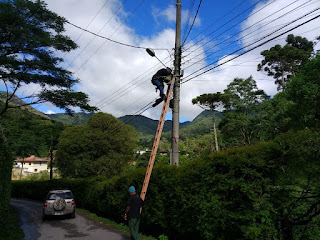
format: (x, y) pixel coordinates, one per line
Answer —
(159, 85)
(134, 228)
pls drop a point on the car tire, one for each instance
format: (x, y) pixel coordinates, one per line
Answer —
(73, 215)
(59, 204)
(44, 217)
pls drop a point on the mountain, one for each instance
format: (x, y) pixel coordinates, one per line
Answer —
(74, 119)
(15, 101)
(202, 124)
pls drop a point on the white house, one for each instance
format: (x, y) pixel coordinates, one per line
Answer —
(32, 164)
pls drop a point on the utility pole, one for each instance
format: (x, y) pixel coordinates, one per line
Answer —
(176, 91)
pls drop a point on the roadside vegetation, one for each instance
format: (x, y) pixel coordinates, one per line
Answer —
(12, 231)
(249, 166)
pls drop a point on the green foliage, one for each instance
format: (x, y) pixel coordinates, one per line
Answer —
(29, 35)
(12, 231)
(41, 176)
(304, 92)
(264, 191)
(273, 117)
(6, 161)
(95, 149)
(74, 119)
(239, 123)
(29, 134)
(284, 62)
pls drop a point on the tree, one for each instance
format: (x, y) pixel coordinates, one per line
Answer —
(6, 162)
(100, 148)
(239, 122)
(304, 92)
(212, 101)
(29, 35)
(283, 62)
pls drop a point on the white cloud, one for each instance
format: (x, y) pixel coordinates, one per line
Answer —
(49, 112)
(121, 76)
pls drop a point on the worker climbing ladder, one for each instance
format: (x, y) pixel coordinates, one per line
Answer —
(156, 141)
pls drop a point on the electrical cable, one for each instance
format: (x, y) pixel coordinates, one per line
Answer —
(111, 35)
(95, 34)
(89, 23)
(186, 79)
(194, 19)
(191, 6)
(218, 20)
(245, 36)
(121, 92)
(247, 9)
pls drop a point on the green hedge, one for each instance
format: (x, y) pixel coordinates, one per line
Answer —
(6, 162)
(229, 195)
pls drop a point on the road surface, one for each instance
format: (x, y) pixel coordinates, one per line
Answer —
(81, 227)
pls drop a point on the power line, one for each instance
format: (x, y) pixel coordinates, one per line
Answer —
(111, 40)
(247, 9)
(231, 26)
(96, 33)
(194, 19)
(259, 45)
(245, 37)
(191, 6)
(123, 91)
(218, 19)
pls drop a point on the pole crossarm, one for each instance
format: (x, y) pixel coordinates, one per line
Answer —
(156, 141)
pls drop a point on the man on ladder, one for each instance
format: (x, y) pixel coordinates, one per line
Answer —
(163, 75)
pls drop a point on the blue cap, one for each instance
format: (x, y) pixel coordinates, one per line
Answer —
(132, 189)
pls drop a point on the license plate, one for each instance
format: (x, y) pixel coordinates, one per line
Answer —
(58, 213)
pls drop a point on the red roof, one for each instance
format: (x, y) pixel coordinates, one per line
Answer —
(33, 158)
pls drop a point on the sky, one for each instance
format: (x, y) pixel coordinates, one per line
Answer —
(117, 78)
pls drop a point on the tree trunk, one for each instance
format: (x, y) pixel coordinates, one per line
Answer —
(215, 131)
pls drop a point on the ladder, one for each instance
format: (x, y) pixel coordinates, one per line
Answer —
(156, 141)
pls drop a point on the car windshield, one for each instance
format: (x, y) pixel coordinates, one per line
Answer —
(64, 195)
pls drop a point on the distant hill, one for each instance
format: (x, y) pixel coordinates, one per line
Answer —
(74, 119)
(15, 101)
(142, 124)
(201, 125)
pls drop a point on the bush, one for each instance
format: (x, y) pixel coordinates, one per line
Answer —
(6, 161)
(235, 194)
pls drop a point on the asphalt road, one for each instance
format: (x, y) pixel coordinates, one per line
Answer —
(81, 227)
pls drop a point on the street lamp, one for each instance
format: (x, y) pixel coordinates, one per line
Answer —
(152, 54)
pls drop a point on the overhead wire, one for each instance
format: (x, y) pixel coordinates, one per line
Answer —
(108, 39)
(246, 36)
(123, 91)
(186, 25)
(90, 23)
(194, 19)
(186, 79)
(201, 46)
(236, 7)
(238, 15)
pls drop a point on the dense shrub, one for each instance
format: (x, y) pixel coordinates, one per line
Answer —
(241, 193)
(6, 161)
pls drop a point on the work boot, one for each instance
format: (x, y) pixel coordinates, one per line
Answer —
(159, 100)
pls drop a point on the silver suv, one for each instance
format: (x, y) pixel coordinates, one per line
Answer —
(59, 202)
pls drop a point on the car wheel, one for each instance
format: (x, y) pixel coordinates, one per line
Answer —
(73, 215)
(44, 217)
(59, 204)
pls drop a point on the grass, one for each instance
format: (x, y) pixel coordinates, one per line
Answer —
(118, 226)
(13, 231)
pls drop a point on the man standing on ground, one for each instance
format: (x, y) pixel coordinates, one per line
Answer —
(133, 212)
